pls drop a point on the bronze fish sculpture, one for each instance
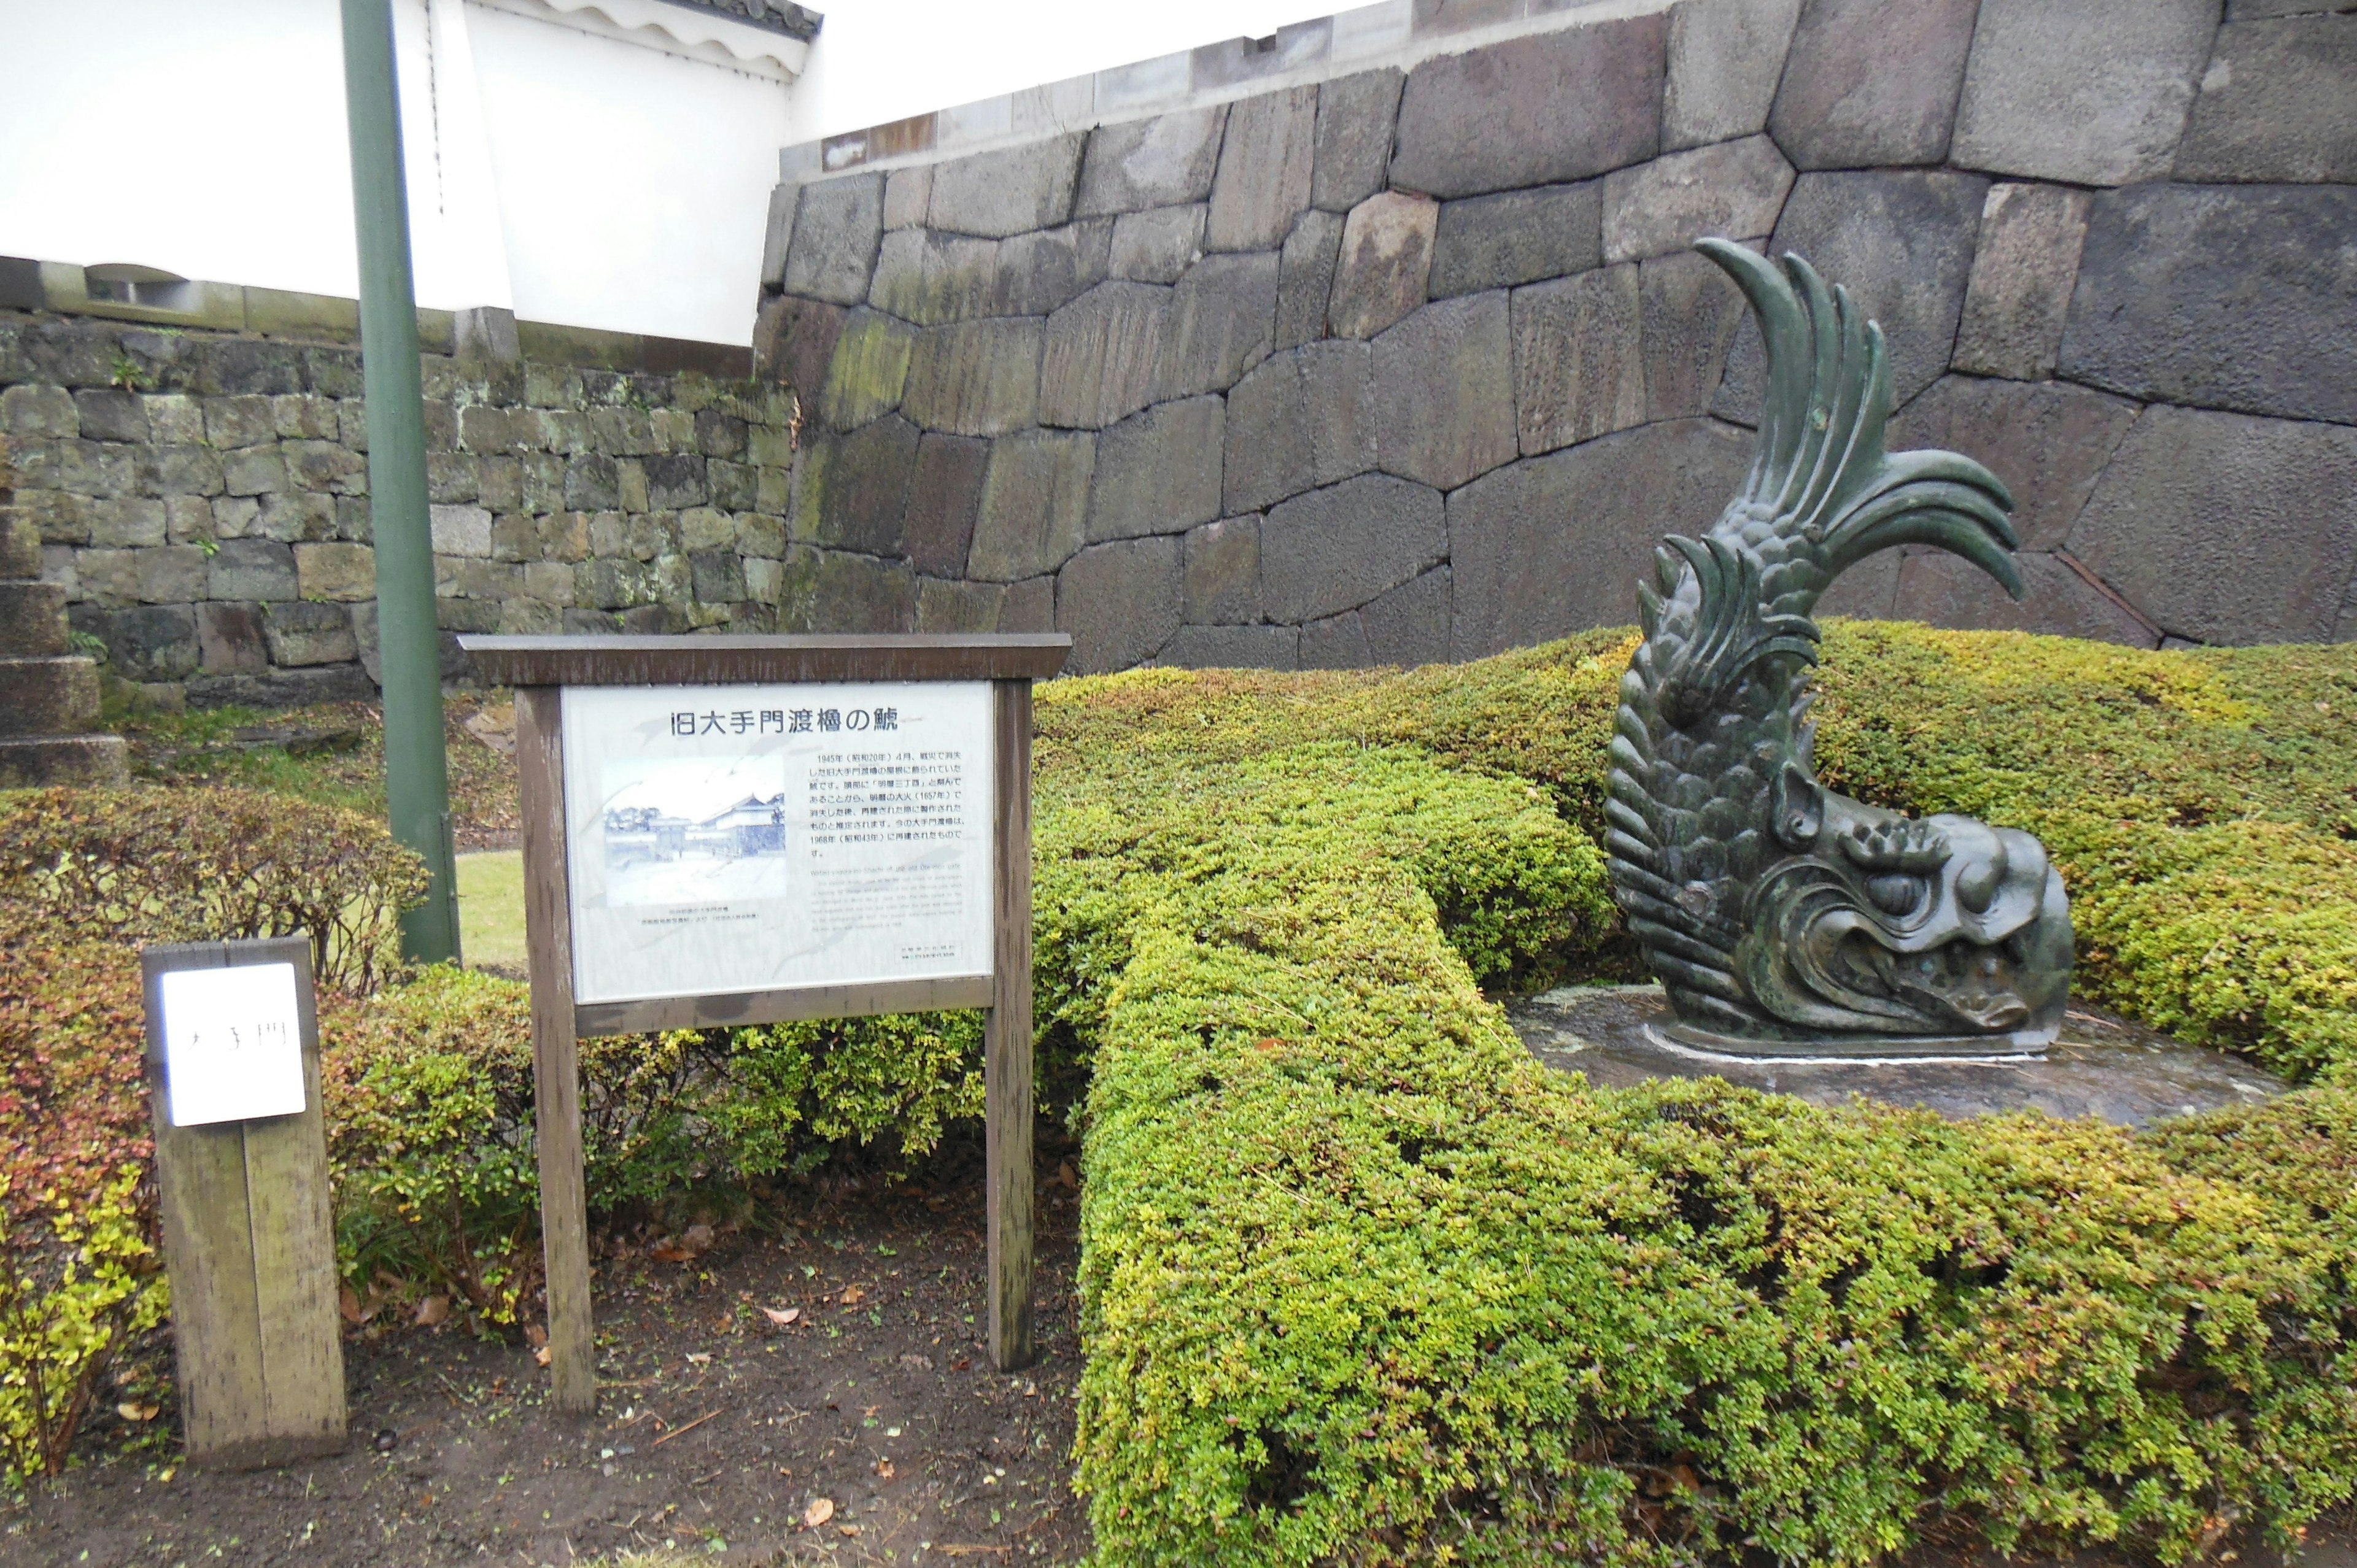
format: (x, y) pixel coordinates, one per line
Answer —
(1781, 918)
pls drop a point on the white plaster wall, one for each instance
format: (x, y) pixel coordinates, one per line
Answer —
(587, 180)
(633, 186)
(204, 138)
(878, 60)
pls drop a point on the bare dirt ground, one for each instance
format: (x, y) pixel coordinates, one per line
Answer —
(870, 1429)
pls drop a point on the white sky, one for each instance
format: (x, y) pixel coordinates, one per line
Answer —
(878, 60)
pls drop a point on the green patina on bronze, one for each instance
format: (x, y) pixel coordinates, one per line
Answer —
(1781, 917)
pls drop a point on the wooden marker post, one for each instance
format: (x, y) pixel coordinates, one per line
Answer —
(242, 1175)
(874, 879)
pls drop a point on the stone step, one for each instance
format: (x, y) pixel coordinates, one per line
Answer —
(53, 759)
(48, 696)
(32, 620)
(20, 544)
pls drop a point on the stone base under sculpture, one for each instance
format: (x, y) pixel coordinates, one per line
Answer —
(2099, 1066)
(1853, 1048)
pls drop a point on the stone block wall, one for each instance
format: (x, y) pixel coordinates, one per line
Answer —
(1413, 362)
(201, 500)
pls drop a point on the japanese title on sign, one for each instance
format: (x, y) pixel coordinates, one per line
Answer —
(741, 838)
(233, 1044)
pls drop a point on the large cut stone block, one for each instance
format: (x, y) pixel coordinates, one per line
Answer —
(1580, 362)
(837, 226)
(1872, 81)
(1536, 110)
(1338, 379)
(1444, 400)
(1103, 354)
(959, 607)
(2222, 528)
(32, 620)
(345, 573)
(945, 499)
(975, 378)
(1158, 245)
(229, 640)
(1158, 472)
(1222, 322)
(1902, 243)
(1517, 237)
(1263, 174)
(1232, 648)
(1008, 190)
(1555, 544)
(1336, 642)
(1335, 549)
(2074, 90)
(929, 277)
(2049, 441)
(2228, 296)
(1035, 505)
(1305, 277)
(260, 569)
(1409, 626)
(2279, 102)
(1119, 602)
(1355, 118)
(1734, 191)
(870, 372)
(51, 696)
(301, 633)
(1690, 310)
(1040, 271)
(151, 642)
(2023, 270)
(907, 196)
(1725, 58)
(1268, 442)
(1385, 259)
(854, 489)
(858, 593)
(1167, 161)
(1945, 590)
(1222, 572)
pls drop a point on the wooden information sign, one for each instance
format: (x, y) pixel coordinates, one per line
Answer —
(242, 1176)
(748, 830)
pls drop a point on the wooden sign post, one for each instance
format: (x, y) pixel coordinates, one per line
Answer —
(242, 1175)
(727, 830)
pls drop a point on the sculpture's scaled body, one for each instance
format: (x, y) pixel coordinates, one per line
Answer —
(1781, 917)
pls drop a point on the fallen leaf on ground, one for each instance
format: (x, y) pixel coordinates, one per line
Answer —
(781, 1315)
(131, 1409)
(853, 1296)
(534, 1334)
(699, 1358)
(544, 1355)
(354, 1310)
(433, 1309)
(821, 1511)
(884, 1469)
(848, 1529)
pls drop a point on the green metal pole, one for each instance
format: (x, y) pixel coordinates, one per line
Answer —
(416, 769)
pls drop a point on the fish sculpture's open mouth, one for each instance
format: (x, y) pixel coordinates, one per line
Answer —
(1775, 911)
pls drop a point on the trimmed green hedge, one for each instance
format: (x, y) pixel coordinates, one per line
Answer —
(1363, 1282)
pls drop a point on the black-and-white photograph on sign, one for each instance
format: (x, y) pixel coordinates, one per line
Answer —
(746, 838)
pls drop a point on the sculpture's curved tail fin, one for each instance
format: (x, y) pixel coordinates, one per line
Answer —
(1820, 480)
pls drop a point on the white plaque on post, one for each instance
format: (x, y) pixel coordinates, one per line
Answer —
(232, 1043)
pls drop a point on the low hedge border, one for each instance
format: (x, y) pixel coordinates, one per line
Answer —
(1362, 1283)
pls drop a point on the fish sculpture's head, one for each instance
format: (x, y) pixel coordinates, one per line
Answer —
(1874, 922)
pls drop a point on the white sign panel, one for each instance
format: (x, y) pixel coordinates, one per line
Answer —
(232, 1043)
(726, 839)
